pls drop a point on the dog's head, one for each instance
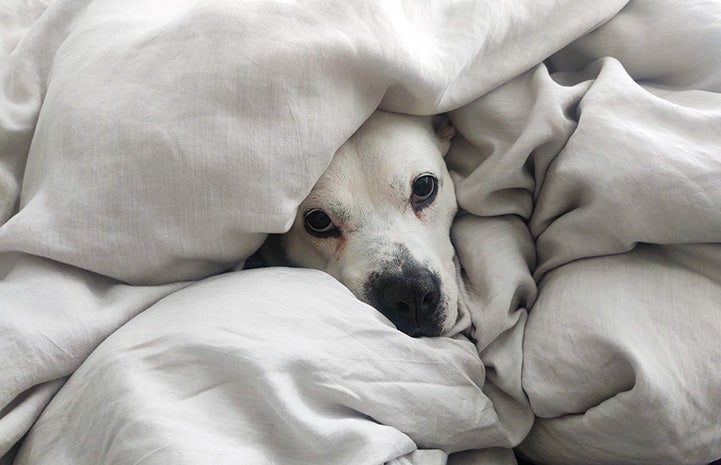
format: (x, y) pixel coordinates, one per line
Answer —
(379, 220)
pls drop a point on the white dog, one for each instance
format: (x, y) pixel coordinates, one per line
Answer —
(379, 221)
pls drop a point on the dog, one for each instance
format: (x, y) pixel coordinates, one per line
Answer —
(379, 219)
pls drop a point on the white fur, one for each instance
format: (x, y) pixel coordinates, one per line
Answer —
(366, 191)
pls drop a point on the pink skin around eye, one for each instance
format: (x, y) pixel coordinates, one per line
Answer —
(339, 246)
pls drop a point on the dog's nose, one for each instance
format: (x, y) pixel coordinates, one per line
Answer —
(409, 300)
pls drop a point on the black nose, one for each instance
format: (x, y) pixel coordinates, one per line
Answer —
(409, 300)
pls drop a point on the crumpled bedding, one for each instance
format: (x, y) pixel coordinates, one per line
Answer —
(148, 148)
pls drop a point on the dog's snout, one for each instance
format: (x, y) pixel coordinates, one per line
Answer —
(409, 299)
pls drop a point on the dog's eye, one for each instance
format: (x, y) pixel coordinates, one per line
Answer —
(424, 189)
(318, 223)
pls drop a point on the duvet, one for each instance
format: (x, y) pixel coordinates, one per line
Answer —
(148, 148)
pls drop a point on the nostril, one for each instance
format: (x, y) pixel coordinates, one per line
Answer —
(430, 299)
(403, 307)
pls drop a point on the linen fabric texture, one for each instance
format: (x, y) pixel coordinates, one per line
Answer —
(148, 147)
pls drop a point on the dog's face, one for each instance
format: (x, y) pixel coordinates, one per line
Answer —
(379, 220)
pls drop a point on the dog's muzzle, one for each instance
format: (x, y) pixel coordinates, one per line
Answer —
(410, 298)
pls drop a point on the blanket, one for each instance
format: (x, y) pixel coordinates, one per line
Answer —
(148, 148)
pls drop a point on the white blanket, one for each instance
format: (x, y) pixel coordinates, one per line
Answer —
(146, 147)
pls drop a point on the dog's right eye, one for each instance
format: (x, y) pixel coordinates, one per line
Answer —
(318, 223)
(424, 190)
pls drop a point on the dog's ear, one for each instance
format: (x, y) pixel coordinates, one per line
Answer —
(444, 131)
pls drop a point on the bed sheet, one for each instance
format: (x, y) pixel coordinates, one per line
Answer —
(147, 148)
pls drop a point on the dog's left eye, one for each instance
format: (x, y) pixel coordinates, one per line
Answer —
(424, 189)
(318, 223)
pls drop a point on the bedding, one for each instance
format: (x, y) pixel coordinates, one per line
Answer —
(146, 149)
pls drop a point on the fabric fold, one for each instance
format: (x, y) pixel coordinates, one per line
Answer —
(247, 372)
(145, 147)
